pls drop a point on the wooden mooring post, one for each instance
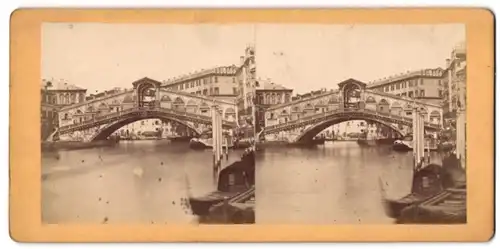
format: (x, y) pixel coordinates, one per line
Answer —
(216, 140)
(418, 138)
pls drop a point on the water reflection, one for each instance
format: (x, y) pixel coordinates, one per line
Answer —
(332, 184)
(134, 182)
(146, 182)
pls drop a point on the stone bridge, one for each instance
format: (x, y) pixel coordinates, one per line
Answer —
(307, 117)
(98, 118)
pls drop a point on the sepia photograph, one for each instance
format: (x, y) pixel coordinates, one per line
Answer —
(254, 123)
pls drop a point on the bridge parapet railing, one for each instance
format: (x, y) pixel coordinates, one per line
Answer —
(99, 118)
(306, 119)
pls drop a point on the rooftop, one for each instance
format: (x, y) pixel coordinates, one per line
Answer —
(200, 73)
(267, 84)
(60, 85)
(436, 72)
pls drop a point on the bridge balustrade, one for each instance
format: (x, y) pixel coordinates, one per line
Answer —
(315, 117)
(108, 116)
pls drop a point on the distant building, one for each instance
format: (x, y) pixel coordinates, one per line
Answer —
(246, 78)
(48, 112)
(54, 95)
(269, 93)
(454, 78)
(425, 85)
(219, 81)
(63, 93)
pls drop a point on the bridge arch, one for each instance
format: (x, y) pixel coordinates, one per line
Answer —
(334, 99)
(435, 117)
(102, 108)
(106, 131)
(90, 108)
(165, 98)
(308, 109)
(383, 106)
(128, 99)
(396, 108)
(315, 129)
(179, 104)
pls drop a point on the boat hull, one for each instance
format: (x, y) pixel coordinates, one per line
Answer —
(201, 207)
(446, 207)
(196, 145)
(401, 147)
(394, 208)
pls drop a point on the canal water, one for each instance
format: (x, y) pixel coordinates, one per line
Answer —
(146, 182)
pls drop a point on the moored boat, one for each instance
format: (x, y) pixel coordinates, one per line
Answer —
(437, 196)
(406, 144)
(233, 181)
(205, 141)
(426, 183)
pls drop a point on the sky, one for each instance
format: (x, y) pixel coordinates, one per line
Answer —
(298, 56)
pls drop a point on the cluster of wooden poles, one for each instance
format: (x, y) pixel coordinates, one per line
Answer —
(419, 141)
(460, 143)
(219, 147)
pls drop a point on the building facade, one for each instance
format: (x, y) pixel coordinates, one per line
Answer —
(269, 94)
(54, 95)
(425, 85)
(48, 112)
(454, 78)
(246, 78)
(219, 81)
(63, 93)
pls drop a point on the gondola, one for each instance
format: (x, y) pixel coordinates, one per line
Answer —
(233, 180)
(437, 195)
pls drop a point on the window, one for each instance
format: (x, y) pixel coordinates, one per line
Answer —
(186, 85)
(234, 79)
(209, 79)
(142, 122)
(181, 86)
(216, 91)
(421, 81)
(235, 90)
(157, 122)
(205, 92)
(392, 87)
(440, 93)
(398, 86)
(192, 83)
(386, 89)
(439, 83)
(410, 94)
(215, 79)
(403, 94)
(422, 93)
